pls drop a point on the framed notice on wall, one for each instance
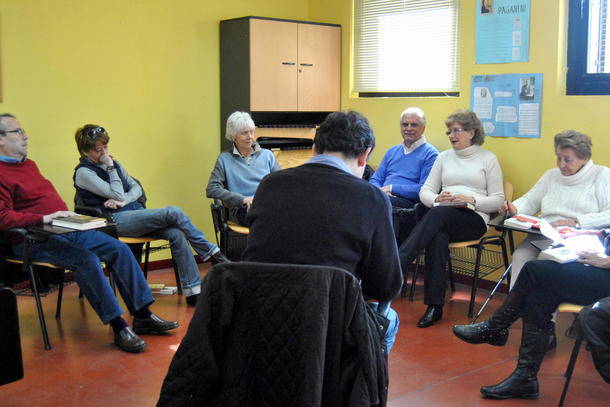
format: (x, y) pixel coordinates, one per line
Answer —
(508, 105)
(502, 31)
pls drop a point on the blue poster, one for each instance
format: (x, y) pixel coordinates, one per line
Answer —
(508, 105)
(502, 31)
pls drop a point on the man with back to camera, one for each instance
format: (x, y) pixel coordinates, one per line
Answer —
(405, 167)
(323, 213)
(28, 199)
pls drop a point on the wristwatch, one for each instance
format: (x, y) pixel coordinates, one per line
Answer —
(110, 168)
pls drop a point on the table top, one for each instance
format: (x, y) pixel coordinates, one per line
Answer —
(498, 223)
(57, 230)
(542, 244)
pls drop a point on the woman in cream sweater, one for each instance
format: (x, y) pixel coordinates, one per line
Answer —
(465, 173)
(576, 193)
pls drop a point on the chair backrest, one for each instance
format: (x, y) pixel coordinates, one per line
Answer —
(277, 334)
(216, 208)
(509, 191)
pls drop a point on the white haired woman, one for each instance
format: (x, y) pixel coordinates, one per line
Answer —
(239, 170)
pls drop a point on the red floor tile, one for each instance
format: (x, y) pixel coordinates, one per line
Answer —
(428, 367)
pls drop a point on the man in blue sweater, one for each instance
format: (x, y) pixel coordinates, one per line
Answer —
(406, 166)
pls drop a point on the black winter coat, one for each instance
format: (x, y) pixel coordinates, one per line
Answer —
(278, 335)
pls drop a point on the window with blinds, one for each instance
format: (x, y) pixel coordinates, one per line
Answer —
(405, 47)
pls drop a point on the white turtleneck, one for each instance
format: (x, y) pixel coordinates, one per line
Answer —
(583, 197)
(472, 171)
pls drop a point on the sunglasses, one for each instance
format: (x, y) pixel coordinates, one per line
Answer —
(91, 133)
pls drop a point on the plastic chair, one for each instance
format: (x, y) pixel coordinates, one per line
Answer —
(28, 270)
(230, 237)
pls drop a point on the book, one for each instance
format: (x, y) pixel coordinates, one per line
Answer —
(558, 254)
(524, 222)
(456, 204)
(569, 242)
(79, 222)
(165, 290)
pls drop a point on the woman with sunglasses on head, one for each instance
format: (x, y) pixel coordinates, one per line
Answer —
(465, 174)
(102, 182)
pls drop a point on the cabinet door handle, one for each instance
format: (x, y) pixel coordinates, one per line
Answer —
(288, 63)
(306, 64)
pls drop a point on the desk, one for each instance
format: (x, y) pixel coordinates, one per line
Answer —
(47, 230)
(542, 244)
(498, 224)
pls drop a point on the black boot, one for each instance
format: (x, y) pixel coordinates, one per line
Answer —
(494, 331)
(523, 382)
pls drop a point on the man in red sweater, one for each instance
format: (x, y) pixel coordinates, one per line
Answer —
(28, 199)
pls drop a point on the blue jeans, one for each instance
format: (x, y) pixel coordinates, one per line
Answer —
(81, 252)
(172, 224)
(390, 334)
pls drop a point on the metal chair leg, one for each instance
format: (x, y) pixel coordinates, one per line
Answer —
(29, 271)
(178, 284)
(146, 255)
(60, 294)
(570, 369)
(475, 280)
(414, 280)
(450, 270)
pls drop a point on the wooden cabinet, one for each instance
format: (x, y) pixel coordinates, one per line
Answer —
(282, 71)
(294, 66)
(273, 65)
(319, 60)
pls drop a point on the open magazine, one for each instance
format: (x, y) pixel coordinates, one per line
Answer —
(567, 242)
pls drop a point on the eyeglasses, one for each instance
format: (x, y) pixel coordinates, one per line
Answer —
(91, 133)
(406, 124)
(454, 131)
(19, 131)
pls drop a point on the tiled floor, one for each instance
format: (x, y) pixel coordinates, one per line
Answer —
(428, 367)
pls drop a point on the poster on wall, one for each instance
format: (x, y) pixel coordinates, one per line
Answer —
(508, 105)
(502, 31)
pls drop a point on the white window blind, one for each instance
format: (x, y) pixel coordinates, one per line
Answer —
(406, 46)
(598, 55)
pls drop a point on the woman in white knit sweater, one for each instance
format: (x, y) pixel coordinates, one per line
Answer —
(576, 193)
(466, 173)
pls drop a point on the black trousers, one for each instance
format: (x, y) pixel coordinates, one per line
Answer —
(404, 224)
(544, 284)
(440, 226)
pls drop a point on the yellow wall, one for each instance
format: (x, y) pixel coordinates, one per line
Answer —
(523, 161)
(146, 70)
